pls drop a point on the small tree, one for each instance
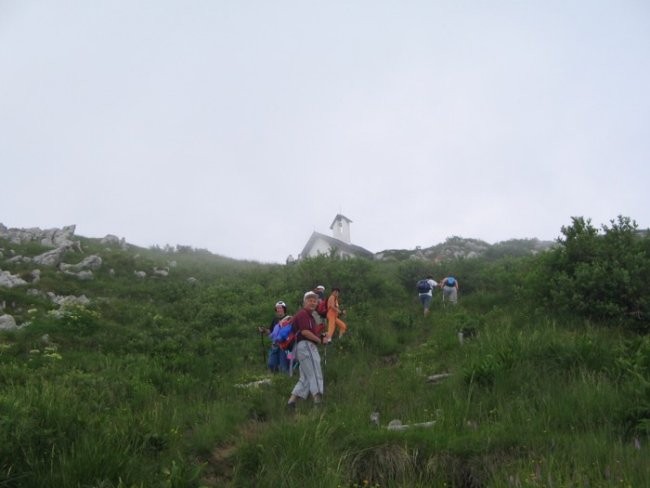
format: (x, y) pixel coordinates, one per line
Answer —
(600, 275)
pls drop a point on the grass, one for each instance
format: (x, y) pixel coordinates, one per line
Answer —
(139, 388)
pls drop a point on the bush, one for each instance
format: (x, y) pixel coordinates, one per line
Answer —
(601, 276)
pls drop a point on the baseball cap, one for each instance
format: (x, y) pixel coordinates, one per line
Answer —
(320, 287)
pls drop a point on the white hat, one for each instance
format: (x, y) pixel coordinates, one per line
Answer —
(309, 294)
(320, 287)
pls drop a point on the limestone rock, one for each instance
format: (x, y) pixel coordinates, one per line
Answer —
(397, 425)
(50, 258)
(7, 322)
(8, 280)
(110, 239)
(48, 237)
(66, 301)
(92, 262)
(437, 378)
(83, 275)
(161, 271)
(19, 259)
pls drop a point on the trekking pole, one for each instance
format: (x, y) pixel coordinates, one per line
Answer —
(291, 358)
(293, 351)
(326, 348)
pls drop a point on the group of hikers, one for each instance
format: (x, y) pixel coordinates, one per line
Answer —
(426, 286)
(294, 339)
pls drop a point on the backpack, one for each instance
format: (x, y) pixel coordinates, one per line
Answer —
(451, 281)
(286, 337)
(321, 308)
(424, 286)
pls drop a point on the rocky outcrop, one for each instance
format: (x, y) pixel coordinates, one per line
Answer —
(112, 240)
(7, 280)
(19, 259)
(50, 258)
(92, 262)
(47, 237)
(84, 275)
(69, 300)
(463, 248)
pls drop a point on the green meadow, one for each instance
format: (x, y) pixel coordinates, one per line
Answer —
(158, 382)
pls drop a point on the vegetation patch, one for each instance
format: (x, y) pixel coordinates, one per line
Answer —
(543, 370)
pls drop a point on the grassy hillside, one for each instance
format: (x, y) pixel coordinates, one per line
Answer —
(146, 384)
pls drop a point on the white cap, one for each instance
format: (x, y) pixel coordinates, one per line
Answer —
(309, 294)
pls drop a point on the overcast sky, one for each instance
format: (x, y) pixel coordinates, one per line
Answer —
(242, 126)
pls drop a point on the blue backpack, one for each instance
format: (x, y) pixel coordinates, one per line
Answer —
(286, 337)
(451, 281)
(424, 286)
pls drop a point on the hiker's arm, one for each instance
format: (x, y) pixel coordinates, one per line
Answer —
(308, 334)
(335, 305)
(331, 304)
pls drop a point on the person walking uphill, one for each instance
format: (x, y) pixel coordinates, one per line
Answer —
(333, 314)
(321, 306)
(308, 335)
(425, 292)
(450, 290)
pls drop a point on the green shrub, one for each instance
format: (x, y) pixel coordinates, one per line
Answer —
(602, 276)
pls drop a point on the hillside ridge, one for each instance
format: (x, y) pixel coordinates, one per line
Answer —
(454, 247)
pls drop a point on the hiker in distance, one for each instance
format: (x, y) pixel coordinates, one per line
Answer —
(321, 307)
(306, 352)
(333, 313)
(278, 360)
(450, 290)
(425, 292)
